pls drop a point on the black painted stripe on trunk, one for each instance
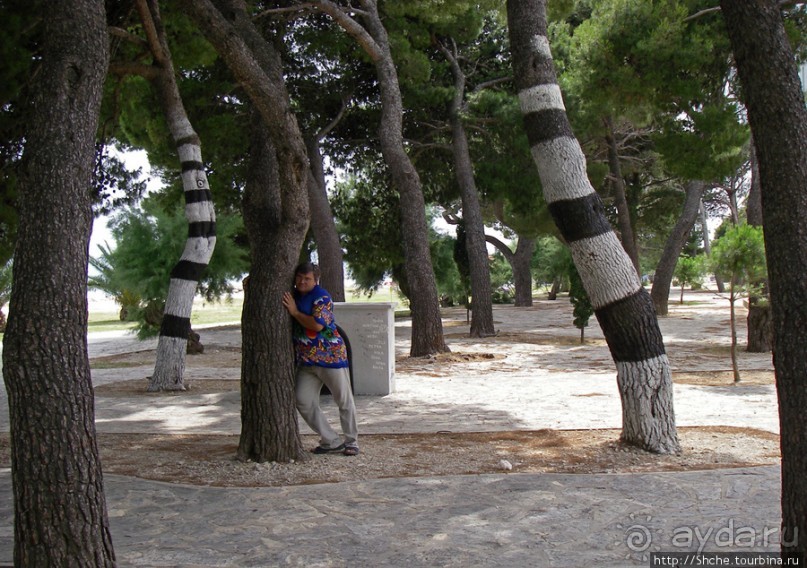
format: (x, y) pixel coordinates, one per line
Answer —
(198, 195)
(192, 165)
(631, 328)
(187, 270)
(546, 125)
(580, 218)
(175, 326)
(201, 229)
(192, 139)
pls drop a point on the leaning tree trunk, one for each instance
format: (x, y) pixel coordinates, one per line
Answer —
(660, 292)
(475, 244)
(707, 245)
(268, 426)
(60, 511)
(760, 318)
(427, 326)
(774, 100)
(329, 247)
(623, 307)
(620, 201)
(520, 262)
(169, 368)
(270, 431)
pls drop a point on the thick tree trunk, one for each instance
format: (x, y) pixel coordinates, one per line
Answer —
(475, 245)
(623, 307)
(268, 420)
(774, 100)
(329, 248)
(60, 511)
(268, 415)
(760, 319)
(660, 292)
(427, 326)
(520, 262)
(620, 201)
(175, 328)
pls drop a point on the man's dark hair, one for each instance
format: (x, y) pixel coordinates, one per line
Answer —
(307, 268)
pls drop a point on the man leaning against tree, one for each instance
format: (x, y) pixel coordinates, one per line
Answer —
(321, 357)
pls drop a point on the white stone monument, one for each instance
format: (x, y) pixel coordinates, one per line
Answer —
(370, 330)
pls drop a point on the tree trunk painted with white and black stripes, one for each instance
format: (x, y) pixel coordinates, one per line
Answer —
(660, 292)
(623, 307)
(169, 368)
(774, 100)
(60, 512)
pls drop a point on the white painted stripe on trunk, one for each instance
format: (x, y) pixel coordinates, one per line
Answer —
(179, 124)
(651, 373)
(540, 44)
(541, 97)
(199, 249)
(562, 167)
(194, 179)
(170, 364)
(605, 269)
(190, 153)
(180, 297)
(200, 211)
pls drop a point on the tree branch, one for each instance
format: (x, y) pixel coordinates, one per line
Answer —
(146, 9)
(130, 37)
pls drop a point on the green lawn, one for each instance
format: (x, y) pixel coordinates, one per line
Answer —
(212, 313)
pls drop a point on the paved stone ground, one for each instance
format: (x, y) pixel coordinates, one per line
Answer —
(509, 519)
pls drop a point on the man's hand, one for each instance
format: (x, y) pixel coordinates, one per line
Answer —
(290, 304)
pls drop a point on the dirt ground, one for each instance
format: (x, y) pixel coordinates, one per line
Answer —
(210, 459)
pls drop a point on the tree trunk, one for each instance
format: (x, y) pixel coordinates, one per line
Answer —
(660, 291)
(329, 248)
(268, 420)
(60, 510)
(760, 319)
(623, 307)
(175, 328)
(620, 201)
(774, 100)
(520, 262)
(475, 244)
(427, 326)
(707, 246)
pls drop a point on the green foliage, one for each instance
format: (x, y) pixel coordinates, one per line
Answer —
(583, 310)
(689, 270)
(501, 280)
(6, 273)
(739, 256)
(550, 260)
(148, 244)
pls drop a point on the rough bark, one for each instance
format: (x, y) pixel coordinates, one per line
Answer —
(175, 327)
(60, 510)
(660, 291)
(760, 319)
(270, 431)
(620, 201)
(427, 326)
(279, 224)
(773, 97)
(520, 262)
(475, 245)
(623, 307)
(329, 247)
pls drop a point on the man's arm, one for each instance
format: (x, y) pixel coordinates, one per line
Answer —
(304, 320)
